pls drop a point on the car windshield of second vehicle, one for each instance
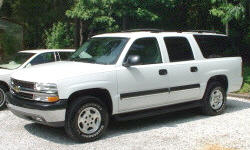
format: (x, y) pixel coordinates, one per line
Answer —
(104, 50)
(15, 61)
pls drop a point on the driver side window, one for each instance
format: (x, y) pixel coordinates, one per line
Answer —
(148, 50)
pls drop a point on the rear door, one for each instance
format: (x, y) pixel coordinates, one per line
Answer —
(183, 70)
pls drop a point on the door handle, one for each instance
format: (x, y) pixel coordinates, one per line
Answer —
(163, 72)
(194, 69)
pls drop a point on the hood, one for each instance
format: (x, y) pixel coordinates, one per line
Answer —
(52, 72)
(5, 71)
(10, 65)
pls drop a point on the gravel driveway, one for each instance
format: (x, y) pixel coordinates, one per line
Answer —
(180, 130)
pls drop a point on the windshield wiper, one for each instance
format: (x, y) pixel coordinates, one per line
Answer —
(87, 60)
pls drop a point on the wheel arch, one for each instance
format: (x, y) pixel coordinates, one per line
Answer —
(219, 78)
(5, 85)
(101, 93)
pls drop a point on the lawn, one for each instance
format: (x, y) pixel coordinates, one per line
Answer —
(246, 86)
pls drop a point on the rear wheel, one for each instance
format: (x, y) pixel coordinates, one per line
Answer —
(86, 119)
(2, 97)
(214, 100)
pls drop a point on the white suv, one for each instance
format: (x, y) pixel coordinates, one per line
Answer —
(24, 59)
(128, 75)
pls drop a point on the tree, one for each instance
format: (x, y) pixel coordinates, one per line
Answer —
(227, 11)
(36, 16)
(1, 3)
(91, 13)
(60, 36)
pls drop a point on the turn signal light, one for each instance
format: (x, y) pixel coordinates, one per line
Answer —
(53, 99)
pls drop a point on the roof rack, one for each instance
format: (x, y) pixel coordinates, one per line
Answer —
(140, 30)
(204, 31)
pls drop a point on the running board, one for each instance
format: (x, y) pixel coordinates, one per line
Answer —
(157, 111)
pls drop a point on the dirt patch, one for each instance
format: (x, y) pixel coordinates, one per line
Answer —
(215, 147)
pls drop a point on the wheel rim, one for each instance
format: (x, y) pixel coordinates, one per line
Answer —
(216, 99)
(2, 97)
(89, 120)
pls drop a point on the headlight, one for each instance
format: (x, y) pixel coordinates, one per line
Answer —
(46, 92)
(49, 88)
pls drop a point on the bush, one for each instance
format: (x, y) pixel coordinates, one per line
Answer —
(60, 36)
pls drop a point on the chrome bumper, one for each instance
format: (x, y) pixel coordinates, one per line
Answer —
(51, 118)
(51, 114)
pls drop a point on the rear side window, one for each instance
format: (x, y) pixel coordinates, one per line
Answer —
(178, 49)
(216, 46)
(65, 55)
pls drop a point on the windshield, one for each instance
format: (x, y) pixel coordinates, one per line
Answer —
(105, 50)
(15, 61)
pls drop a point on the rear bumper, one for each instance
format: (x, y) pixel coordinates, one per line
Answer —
(51, 114)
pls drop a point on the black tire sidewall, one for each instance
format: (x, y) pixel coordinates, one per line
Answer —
(207, 108)
(2, 104)
(72, 120)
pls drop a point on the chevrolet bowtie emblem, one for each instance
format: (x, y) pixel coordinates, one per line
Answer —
(17, 89)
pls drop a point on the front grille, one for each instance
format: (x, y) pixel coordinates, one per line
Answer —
(23, 95)
(24, 84)
(22, 89)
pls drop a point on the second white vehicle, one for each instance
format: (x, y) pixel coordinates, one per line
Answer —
(25, 59)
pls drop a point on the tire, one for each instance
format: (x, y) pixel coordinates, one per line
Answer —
(86, 119)
(214, 100)
(2, 97)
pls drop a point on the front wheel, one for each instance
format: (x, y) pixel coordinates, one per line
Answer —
(86, 119)
(214, 100)
(2, 98)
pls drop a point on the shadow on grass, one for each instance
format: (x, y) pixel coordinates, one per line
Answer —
(116, 128)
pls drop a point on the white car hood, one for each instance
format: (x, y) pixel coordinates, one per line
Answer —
(5, 71)
(53, 72)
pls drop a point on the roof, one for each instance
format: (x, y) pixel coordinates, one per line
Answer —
(149, 33)
(47, 50)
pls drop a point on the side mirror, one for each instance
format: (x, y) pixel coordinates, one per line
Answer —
(132, 61)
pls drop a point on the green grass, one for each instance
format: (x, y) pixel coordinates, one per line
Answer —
(246, 86)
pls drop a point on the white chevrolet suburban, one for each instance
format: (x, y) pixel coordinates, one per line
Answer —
(24, 59)
(128, 75)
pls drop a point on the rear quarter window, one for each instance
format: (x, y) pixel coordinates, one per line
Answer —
(216, 46)
(65, 55)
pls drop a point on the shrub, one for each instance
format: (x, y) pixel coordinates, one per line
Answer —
(60, 36)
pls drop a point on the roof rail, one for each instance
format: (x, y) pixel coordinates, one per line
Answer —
(204, 31)
(149, 30)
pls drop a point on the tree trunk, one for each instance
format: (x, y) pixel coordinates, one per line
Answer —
(124, 23)
(227, 28)
(1, 3)
(77, 34)
(83, 31)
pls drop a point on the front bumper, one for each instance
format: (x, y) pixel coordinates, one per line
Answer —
(51, 114)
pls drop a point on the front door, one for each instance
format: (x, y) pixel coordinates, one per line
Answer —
(145, 85)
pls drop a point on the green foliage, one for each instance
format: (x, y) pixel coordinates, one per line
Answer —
(36, 16)
(9, 44)
(60, 36)
(10, 38)
(247, 74)
(228, 11)
(246, 85)
(93, 12)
